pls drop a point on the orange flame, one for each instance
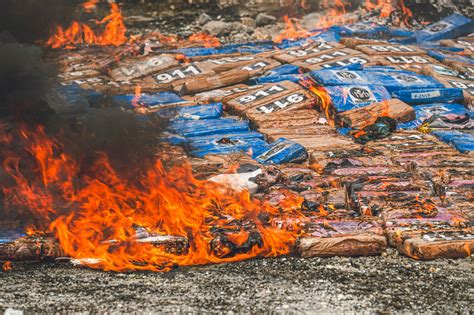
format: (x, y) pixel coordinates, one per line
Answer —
(80, 34)
(324, 100)
(7, 266)
(95, 216)
(204, 39)
(90, 5)
(293, 30)
(138, 96)
(335, 15)
(385, 7)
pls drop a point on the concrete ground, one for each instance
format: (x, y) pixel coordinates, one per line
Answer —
(324, 285)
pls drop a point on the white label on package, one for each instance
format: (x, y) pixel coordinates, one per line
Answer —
(425, 95)
(361, 95)
(348, 76)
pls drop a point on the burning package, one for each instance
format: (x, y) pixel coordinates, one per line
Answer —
(346, 97)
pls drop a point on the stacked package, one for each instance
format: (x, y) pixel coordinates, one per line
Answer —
(370, 126)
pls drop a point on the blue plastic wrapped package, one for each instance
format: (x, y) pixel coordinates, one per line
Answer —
(253, 147)
(283, 70)
(276, 78)
(214, 140)
(321, 36)
(391, 80)
(197, 112)
(366, 29)
(348, 97)
(432, 95)
(147, 99)
(283, 151)
(452, 26)
(461, 140)
(439, 115)
(194, 128)
(400, 32)
(255, 47)
(445, 57)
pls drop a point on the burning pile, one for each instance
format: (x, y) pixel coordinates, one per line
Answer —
(307, 145)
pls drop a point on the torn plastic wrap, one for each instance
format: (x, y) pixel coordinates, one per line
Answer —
(147, 99)
(283, 151)
(432, 95)
(452, 26)
(348, 97)
(391, 80)
(461, 140)
(197, 112)
(452, 116)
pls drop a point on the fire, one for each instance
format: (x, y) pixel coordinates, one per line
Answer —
(384, 6)
(293, 30)
(82, 34)
(335, 15)
(204, 39)
(7, 266)
(95, 213)
(324, 100)
(90, 5)
(137, 97)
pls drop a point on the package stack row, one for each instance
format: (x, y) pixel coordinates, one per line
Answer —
(370, 127)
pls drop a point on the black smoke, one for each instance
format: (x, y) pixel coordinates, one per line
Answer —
(26, 81)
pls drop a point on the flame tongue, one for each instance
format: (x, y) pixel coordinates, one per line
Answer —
(80, 33)
(95, 216)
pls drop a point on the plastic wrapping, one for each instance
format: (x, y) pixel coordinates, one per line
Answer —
(391, 80)
(449, 115)
(354, 96)
(283, 151)
(208, 127)
(147, 99)
(452, 26)
(461, 140)
(197, 112)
